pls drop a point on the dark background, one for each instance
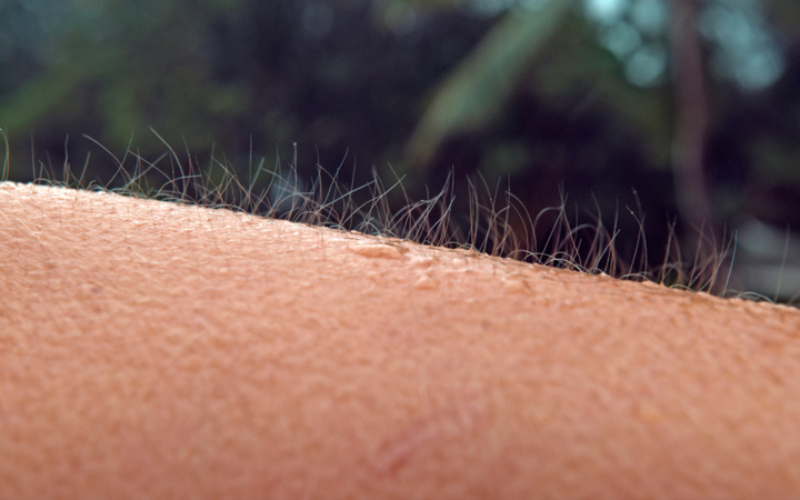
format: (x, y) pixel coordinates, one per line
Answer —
(685, 112)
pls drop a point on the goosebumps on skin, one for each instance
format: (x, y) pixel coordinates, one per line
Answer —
(157, 350)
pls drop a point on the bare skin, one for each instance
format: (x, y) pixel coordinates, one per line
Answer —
(154, 350)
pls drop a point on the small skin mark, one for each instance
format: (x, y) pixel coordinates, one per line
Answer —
(379, 251)
(426, 283)
(648, 413)
(428, 432)
(517, 286)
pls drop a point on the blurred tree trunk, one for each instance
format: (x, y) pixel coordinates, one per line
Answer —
(705, 237)
(692, 115)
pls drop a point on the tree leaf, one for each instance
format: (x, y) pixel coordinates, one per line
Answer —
(475, 93)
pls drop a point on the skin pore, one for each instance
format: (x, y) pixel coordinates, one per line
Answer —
(159, 350)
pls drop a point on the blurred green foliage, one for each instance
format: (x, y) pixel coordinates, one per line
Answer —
(474, 95)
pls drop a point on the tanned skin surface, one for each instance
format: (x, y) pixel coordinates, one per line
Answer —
(156, 350)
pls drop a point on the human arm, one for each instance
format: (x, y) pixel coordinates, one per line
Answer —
(156, 350)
